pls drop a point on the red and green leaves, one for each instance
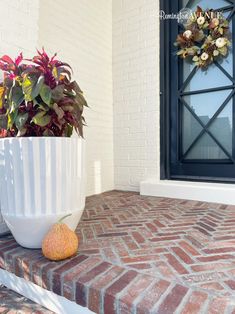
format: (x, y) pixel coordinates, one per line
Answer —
(38, 98)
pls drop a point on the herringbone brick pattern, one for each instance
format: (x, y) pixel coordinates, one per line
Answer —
(189, 244)
(141, 255)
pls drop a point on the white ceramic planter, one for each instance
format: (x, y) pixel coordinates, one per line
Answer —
(41, 181)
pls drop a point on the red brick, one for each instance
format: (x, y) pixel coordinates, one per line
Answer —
(130, 243)
(213, 286)
(151, 297)
(133, 291)
(202, 231)
(7, 243)
(6, 250)
(214, 258)
(225, 238)
(209, 222)
(217, 306)
(36, 269)
(220, 244)
(46, 273)
(211, 266)
(109, 255)
(159, 239)
(172, 233)
(138, 237)
(130, 260)
(208, 228)
(151, 227)
(23, 264)
(92, 251)
(116, 287)
(80, 269)
(158, 223)
(173, 300)
(195, 303)
(182, 255)
(58, 272)
(165, 270)
(219, 250)
(112, 234)
(141, 266)
(81, 290)
(231, 284)
(176, 264)
(188, 248)
(95, 289)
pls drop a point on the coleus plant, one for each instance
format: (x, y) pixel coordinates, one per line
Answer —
(39, 98)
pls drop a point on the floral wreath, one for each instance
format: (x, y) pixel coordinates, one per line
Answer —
(205, 38)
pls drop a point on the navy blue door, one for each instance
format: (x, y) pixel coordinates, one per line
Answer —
(201, 108)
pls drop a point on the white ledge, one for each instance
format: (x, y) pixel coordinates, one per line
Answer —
(48, 299)
(198, 191)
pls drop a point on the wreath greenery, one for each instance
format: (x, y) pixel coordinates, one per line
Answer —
(205, 38)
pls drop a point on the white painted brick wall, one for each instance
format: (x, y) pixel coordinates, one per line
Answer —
(81, 32)
(18, 26)
(135, 92)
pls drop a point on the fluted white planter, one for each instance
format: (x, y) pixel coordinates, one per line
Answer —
(41, 181)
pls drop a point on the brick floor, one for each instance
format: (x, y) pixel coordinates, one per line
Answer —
(13, 303)
(141, 255)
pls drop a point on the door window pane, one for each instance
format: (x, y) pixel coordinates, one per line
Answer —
(205, 105)
(211, 78)
(221, 128)
(206, 148)
(191, 129)
(205, 4)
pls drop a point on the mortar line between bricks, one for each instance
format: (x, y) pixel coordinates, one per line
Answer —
(102, 294)
(142, 296)
(229, 288)
(181, 263)
(94, 280)
(50, 273)
(184, 301)
(118, 295)
(191, 256)
(87, 284)
(80, 264)
(214, 293)
(228, 310)
(206, 305)
(162, 298)
(226, 287)
(121, 293)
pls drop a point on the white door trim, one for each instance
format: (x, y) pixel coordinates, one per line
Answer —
(199, 191)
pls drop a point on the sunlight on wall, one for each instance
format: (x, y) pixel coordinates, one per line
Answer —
(85, 42)
(97, 177)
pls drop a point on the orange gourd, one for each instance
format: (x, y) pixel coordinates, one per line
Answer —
(60, 242)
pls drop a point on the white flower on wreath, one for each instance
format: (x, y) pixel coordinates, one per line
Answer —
(220, 42)
(187, 34)
(201, 20)
(204, 56)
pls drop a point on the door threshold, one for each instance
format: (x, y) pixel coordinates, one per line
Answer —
(197, 191)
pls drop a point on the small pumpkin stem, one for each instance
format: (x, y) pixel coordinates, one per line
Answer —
(61, 219)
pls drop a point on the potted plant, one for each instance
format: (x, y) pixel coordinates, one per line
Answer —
(43, 174)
